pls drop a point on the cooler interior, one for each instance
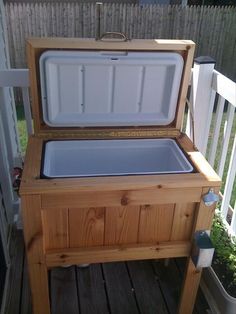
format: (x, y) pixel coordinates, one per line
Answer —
(89, 158)
(109, 88)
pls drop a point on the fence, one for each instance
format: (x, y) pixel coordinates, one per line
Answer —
(212, 28)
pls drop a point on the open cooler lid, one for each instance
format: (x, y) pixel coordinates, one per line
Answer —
(109, 88)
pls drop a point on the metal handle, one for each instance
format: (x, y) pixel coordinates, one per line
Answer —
(122, 36)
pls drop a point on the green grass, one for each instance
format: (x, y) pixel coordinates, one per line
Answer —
(24, 139)
(22, 128)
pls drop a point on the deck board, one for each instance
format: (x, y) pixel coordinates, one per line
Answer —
(26, 304)
(119, 289)
(92, 290)
(170, 282)
(137, 287)
(63, 290)
(146, 287)
(16, 274)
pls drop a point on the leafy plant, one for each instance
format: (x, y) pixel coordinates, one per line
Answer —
(224, 262)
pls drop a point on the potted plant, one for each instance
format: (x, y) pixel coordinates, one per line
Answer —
(219, 280)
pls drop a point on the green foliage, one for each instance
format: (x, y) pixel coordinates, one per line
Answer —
(22, 128)
(225, 246)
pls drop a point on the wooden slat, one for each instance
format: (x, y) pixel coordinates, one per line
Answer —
(29, 185)
(199, 162)
(183, 221)
(33, 234)
(55, 228)
(119, 289)
(184, 85)
(135, 44)
(121, 225)
(91, 289)
(155, 223)
(86, 226)
(120, 198)
(204, 214)
(189, 292)
(32, 160)
(64, 291)
(143, 279)
(201, 305)
(117, 253)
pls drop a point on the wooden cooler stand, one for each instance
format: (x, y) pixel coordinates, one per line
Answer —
(105, 219)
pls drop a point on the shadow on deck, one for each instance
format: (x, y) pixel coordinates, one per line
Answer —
(142, 287)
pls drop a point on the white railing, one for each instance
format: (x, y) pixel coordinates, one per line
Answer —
(19, 78)
(213, 101)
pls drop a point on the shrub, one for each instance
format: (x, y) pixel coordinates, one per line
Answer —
(225, 250)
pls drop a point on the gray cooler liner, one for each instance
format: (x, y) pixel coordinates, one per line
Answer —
(88, 158)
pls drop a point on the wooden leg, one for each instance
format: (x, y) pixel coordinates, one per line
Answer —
(38, 276)
(203, 220)
(190, 287)
(33, 235)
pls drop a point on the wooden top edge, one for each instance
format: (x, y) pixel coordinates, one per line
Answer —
(70, 185)
(90, 43)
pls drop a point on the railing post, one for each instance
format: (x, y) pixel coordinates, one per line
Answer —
(202, 97)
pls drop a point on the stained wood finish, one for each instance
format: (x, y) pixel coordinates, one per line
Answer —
(55, 228)
(64, 291)
(92, 290)
(122, 224)
(117, 253)
(155, 223)
(86, 227)
(203, 220)
(91, 285)
(31, 182)
(112, 218)
(36, 46)
(121, 198)
(33, 234)
(183, 221)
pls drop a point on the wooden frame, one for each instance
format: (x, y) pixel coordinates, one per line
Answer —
(36, 46)
(50, 206)
(135, 206)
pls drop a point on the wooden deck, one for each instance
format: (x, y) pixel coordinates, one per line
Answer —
(143, 287)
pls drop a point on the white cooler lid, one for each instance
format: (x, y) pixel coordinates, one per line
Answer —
(84, 88)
